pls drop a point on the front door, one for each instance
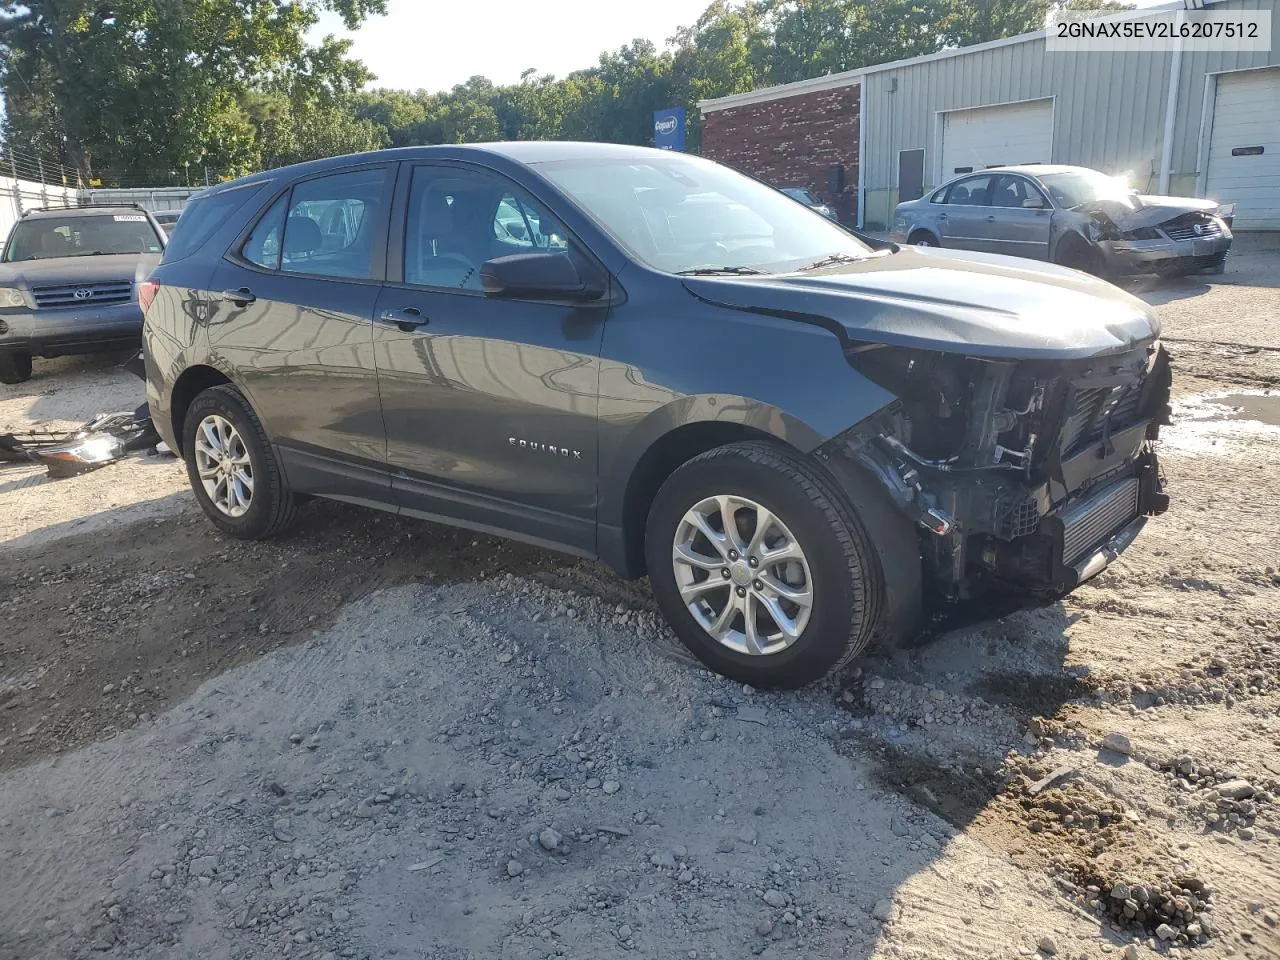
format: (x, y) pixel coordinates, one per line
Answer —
(293, 315)
(1021, 218)
(489, 404)
(963, 220)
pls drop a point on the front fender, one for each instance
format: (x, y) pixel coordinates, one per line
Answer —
(781, 378)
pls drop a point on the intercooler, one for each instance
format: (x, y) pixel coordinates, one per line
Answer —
(1088, 523)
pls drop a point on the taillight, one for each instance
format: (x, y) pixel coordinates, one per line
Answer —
(147, 291)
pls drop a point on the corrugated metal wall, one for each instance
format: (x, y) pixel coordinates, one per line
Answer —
(1109, 108)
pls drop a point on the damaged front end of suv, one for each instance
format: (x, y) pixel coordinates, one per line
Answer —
(1030, 474)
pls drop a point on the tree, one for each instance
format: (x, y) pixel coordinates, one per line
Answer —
(138, 88)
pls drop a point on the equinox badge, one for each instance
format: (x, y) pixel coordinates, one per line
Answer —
(534, 447)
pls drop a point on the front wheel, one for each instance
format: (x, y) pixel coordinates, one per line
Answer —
(922, 239)
(232, 469)
(15, 366)
(761, 567)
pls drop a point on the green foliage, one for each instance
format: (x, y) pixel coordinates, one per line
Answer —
(136, 89)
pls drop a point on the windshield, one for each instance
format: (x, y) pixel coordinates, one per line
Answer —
(1085, 186)
(82, 236)
(801, 194)
(685, 214)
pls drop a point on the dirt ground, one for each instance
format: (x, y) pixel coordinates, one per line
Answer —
(377, 738)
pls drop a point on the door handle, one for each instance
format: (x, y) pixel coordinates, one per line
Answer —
(942, 216)
(241, 296)
(407, 319)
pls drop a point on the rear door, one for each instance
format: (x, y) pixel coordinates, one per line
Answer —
(490, 404)
(1020, 216)
(963, 220)
(293, 315)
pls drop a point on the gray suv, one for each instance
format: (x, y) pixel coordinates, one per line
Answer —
(68, 283)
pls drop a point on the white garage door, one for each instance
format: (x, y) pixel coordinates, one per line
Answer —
(991, 136)
(1244, 149)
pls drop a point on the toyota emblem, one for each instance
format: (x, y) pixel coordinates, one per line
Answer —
(83, 293)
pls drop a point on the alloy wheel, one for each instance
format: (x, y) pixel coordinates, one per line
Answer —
(742, 575)
(223, 463)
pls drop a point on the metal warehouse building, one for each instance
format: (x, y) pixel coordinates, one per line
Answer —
(1185, 122)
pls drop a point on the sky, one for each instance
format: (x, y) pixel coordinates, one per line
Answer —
(431, 45)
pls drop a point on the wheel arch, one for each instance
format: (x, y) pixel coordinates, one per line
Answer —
(927, 231)
(190, 384)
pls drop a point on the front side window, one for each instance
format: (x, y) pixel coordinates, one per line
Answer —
(457, 219)
(82, 236)
(330, 227)
(970, 193)
(1013, 191)
(684, 214)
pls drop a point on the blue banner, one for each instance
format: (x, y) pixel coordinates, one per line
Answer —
(668, 128)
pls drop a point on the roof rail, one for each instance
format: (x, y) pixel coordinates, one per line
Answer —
(84, 206)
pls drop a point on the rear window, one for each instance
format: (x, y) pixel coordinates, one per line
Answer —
(202, 216)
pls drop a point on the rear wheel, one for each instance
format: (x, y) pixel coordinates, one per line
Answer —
(233, 472)
(760, 566)
(15, 366)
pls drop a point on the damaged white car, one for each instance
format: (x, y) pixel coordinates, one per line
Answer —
(1072, 216)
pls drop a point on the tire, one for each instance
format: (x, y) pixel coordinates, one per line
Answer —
(15, 366)
(1077, 254)
(922, 238)
(271, 505)
(839, 566)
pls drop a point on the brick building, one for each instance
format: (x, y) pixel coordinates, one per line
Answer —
(801, 135)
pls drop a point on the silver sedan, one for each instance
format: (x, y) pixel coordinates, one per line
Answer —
(1073, 216)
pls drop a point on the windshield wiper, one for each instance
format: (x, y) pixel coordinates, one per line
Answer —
(712, 271)
(829, 261)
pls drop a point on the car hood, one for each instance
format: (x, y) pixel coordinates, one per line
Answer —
(951, 301)
(73, 270)
(1147, 211)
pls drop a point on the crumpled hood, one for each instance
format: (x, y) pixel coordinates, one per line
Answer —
(1148, 211)
(951, 301)
(73, 270)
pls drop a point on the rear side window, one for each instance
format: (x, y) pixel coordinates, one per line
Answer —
(330, 229)
(201, 217)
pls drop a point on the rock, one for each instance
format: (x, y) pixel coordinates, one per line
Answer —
(174, 917)
(1236, 789)
(611, 786)
(707, 736)
(663, 859)
(883, 910)
(1120, 891)
(1166, 932)
(1048, 945)
(514, 868)
(1130, 952)
(686, 876)
(592, 783)
(899, 827)
(549, 839)
(1246, 833)
(203, 866)
(758, 715)
(775, 898)
(1118, 743)
(562, 794)
(764, 927)
(624, 932)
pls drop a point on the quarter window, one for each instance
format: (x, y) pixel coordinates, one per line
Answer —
(263, 245)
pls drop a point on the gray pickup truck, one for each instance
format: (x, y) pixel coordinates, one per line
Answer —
(69, 280)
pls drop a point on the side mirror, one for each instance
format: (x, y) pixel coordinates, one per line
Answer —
(1033, 203)
(537, 276)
